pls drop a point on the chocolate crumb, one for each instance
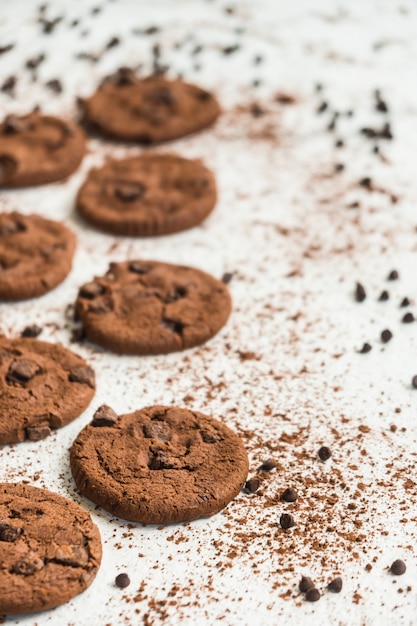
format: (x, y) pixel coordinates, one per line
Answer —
(408, 318)
(398, 568)
(114, 41)
(31, 331)
(312, 595)
(414, 382)
(335, 585)
(323, 106)
(230, 49)
(252, 485)
(365, 348)
(8, 86)
(122, 581)
(227, 277)
(360, 293)
(305, 584)
(4, 49)
(366, 182)
(286, 521)
(393, 275)
(289, 495)
(384, 296)
(268, 465)
(34, 62)
(324, 453)
(405, 302)
(386, 336)
(54, 85)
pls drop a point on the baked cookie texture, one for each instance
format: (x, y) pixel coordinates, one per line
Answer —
(35, 255)
(50, 550)
(148, 307)
(36, 149)
(150, 110)
(159, 465)
(152, 194)
(43, 386)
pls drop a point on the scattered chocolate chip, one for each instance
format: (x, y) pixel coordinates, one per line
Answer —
(324, 453)
(405, 302)
(289, 495)
(268, 465)
(37, 433)
(414, 382)
(365, 348)
(366, 182)
(360, 293)
(408, 318)
(114, 41)
(54, 85)
(323, 106)
(82, 374)
(22, 370)
(4, 49)
(386, 336)
(8, 86)
(122, 581)
(384, 296)
(286, 521)
(398, 568)
(312, 595)
(252, 485)
(34, 62)
(9, 533)
(230, 49)
(31, 331)
(335, 585)
(227, 277)
(393, 275)
(305, 584)
(104, 416)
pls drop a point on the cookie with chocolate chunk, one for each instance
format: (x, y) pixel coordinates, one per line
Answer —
(36, 149)
(152, 194)
(159, 465)
(148, 307)
(50, 550)
(150, 110)
(35, 255)
(43, 386)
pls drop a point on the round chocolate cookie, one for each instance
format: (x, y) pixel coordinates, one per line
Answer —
(153, 194)
(36, 149)
(147, 307)
(50, 550)
(159, 465)
(149, 110)
(35, 255)
(43, 386)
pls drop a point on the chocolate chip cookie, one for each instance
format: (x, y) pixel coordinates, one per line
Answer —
(43, 386)
(158, 465)
(148, 307)
(36, 149)
(150, 110)
(35, 255)
(50, 550)
(153, 194)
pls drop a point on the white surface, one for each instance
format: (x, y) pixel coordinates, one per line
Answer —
(280, 210)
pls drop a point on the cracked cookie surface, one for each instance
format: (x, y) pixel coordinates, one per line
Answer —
(36, 149)
(50, 550)
(159, 465)
(43, 386)
(35, 255)
(153, 194)
(148, 307)
(150, 110)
